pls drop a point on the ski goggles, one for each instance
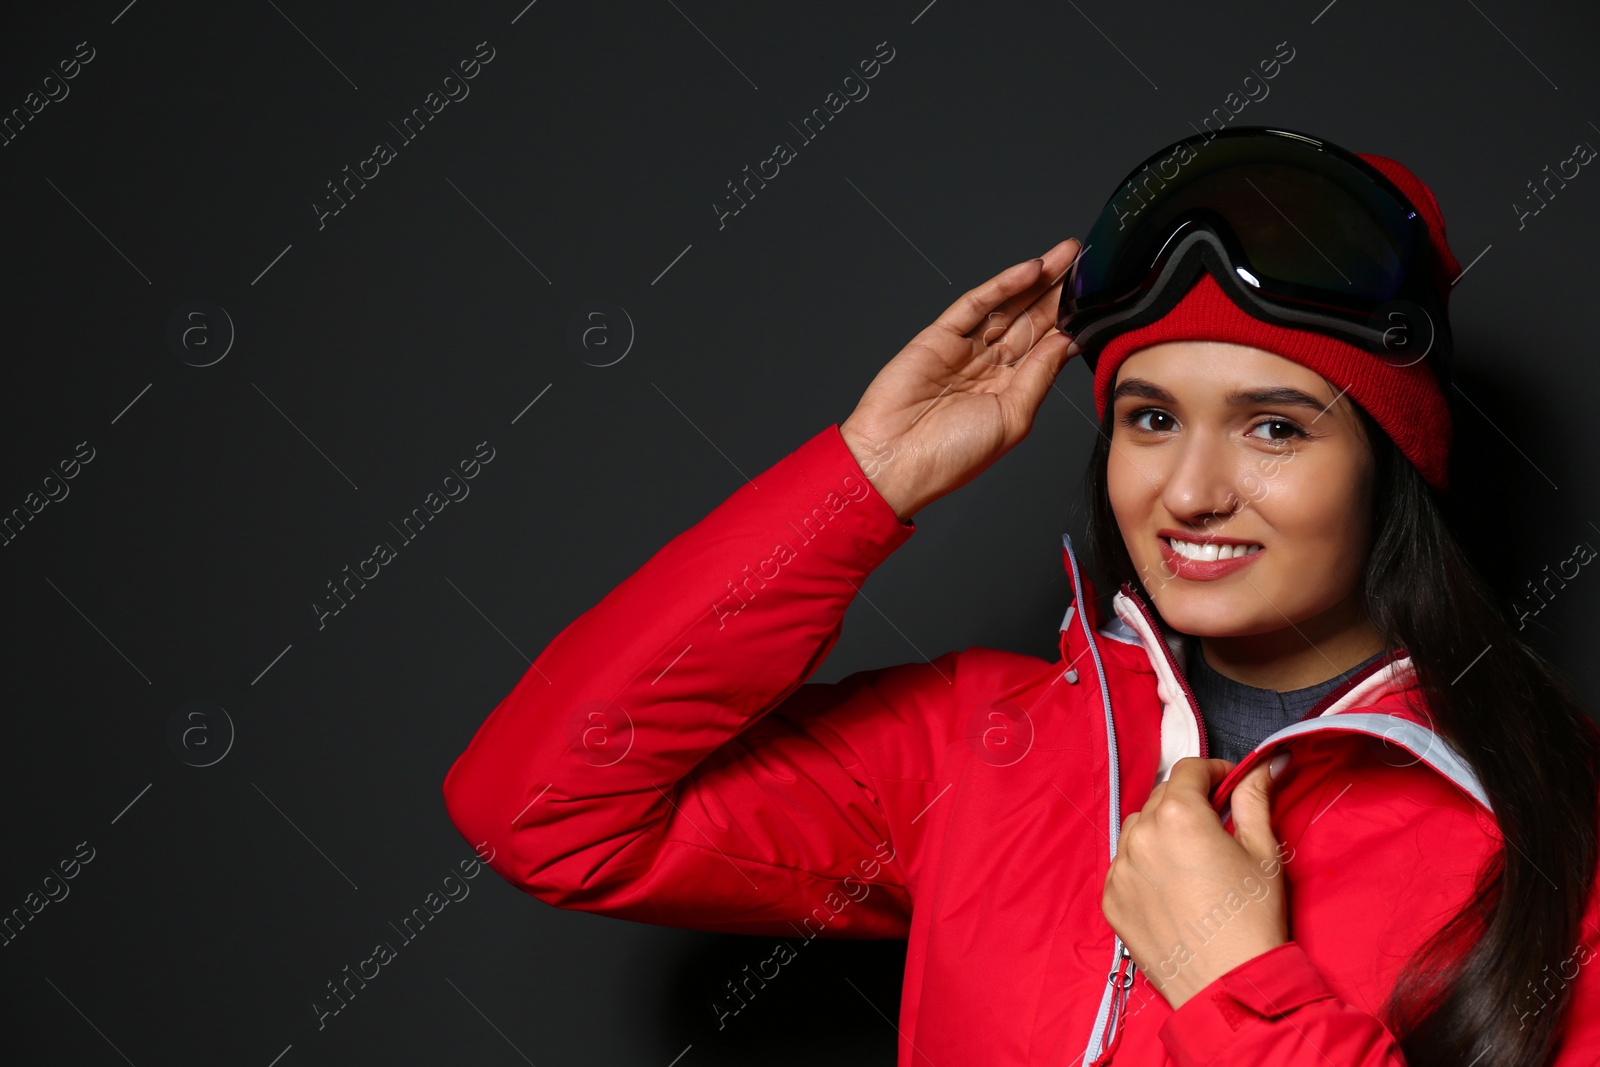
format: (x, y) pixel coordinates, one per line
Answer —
(1298, 231)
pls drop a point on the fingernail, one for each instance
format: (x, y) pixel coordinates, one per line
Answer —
(1277, 764)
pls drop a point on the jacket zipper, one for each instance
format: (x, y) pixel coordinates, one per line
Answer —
(1121, 984)
(1111, 1006)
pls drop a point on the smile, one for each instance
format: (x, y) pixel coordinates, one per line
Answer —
(1205, 562)
(1212, 551)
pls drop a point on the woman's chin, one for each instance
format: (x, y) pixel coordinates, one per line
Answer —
(1213, 612)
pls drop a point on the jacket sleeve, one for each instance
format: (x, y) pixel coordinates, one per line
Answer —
(662, 760)
(1276, 1009)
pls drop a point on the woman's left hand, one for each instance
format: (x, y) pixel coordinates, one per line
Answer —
(1189, 900)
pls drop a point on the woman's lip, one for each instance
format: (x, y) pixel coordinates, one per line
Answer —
(1203, 570)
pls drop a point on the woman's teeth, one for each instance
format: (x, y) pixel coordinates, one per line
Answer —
(1190, 550)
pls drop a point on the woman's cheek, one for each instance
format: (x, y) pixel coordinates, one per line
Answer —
(1318, 522)
(1133, 510)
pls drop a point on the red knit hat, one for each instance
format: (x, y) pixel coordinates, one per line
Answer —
(1406, 401)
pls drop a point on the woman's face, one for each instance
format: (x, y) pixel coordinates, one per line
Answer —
(1221, 450)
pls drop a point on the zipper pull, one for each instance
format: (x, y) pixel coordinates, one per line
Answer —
(1123, 975)
(1121, 981)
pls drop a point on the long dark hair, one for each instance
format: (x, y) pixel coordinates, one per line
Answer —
(1479, 990)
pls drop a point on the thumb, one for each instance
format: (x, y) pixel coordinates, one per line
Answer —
(1251, 804)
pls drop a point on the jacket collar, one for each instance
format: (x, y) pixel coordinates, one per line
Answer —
(1388, 680)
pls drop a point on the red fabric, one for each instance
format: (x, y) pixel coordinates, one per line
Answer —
(1405, 401)
(666, 760)
(1222, 1024)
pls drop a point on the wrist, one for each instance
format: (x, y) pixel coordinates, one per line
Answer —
(1190, 980)
(876, 458)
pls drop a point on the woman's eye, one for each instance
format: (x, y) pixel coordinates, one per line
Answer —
(1278, 430)
(1160, 421)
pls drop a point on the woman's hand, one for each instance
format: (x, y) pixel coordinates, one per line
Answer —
(964, 391)
(1190, 901)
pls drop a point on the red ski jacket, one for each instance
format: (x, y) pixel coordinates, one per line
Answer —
(664, 760)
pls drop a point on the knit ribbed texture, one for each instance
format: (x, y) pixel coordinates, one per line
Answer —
(1405, 400)
(1238, 716)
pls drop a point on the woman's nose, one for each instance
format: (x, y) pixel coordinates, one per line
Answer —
(1201, 482)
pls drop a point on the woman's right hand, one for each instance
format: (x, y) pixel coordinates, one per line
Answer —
(963, 392)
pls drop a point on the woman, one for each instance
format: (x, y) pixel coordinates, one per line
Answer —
(1399, 866)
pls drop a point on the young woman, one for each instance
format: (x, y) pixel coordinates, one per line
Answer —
(1296, 795)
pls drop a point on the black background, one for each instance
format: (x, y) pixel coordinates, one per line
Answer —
(374, 353)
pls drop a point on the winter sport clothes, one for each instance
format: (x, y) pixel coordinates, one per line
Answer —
(665, 760)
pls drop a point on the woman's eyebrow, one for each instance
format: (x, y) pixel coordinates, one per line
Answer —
(1282, 396)
(1141, 388)
(1277, 396)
